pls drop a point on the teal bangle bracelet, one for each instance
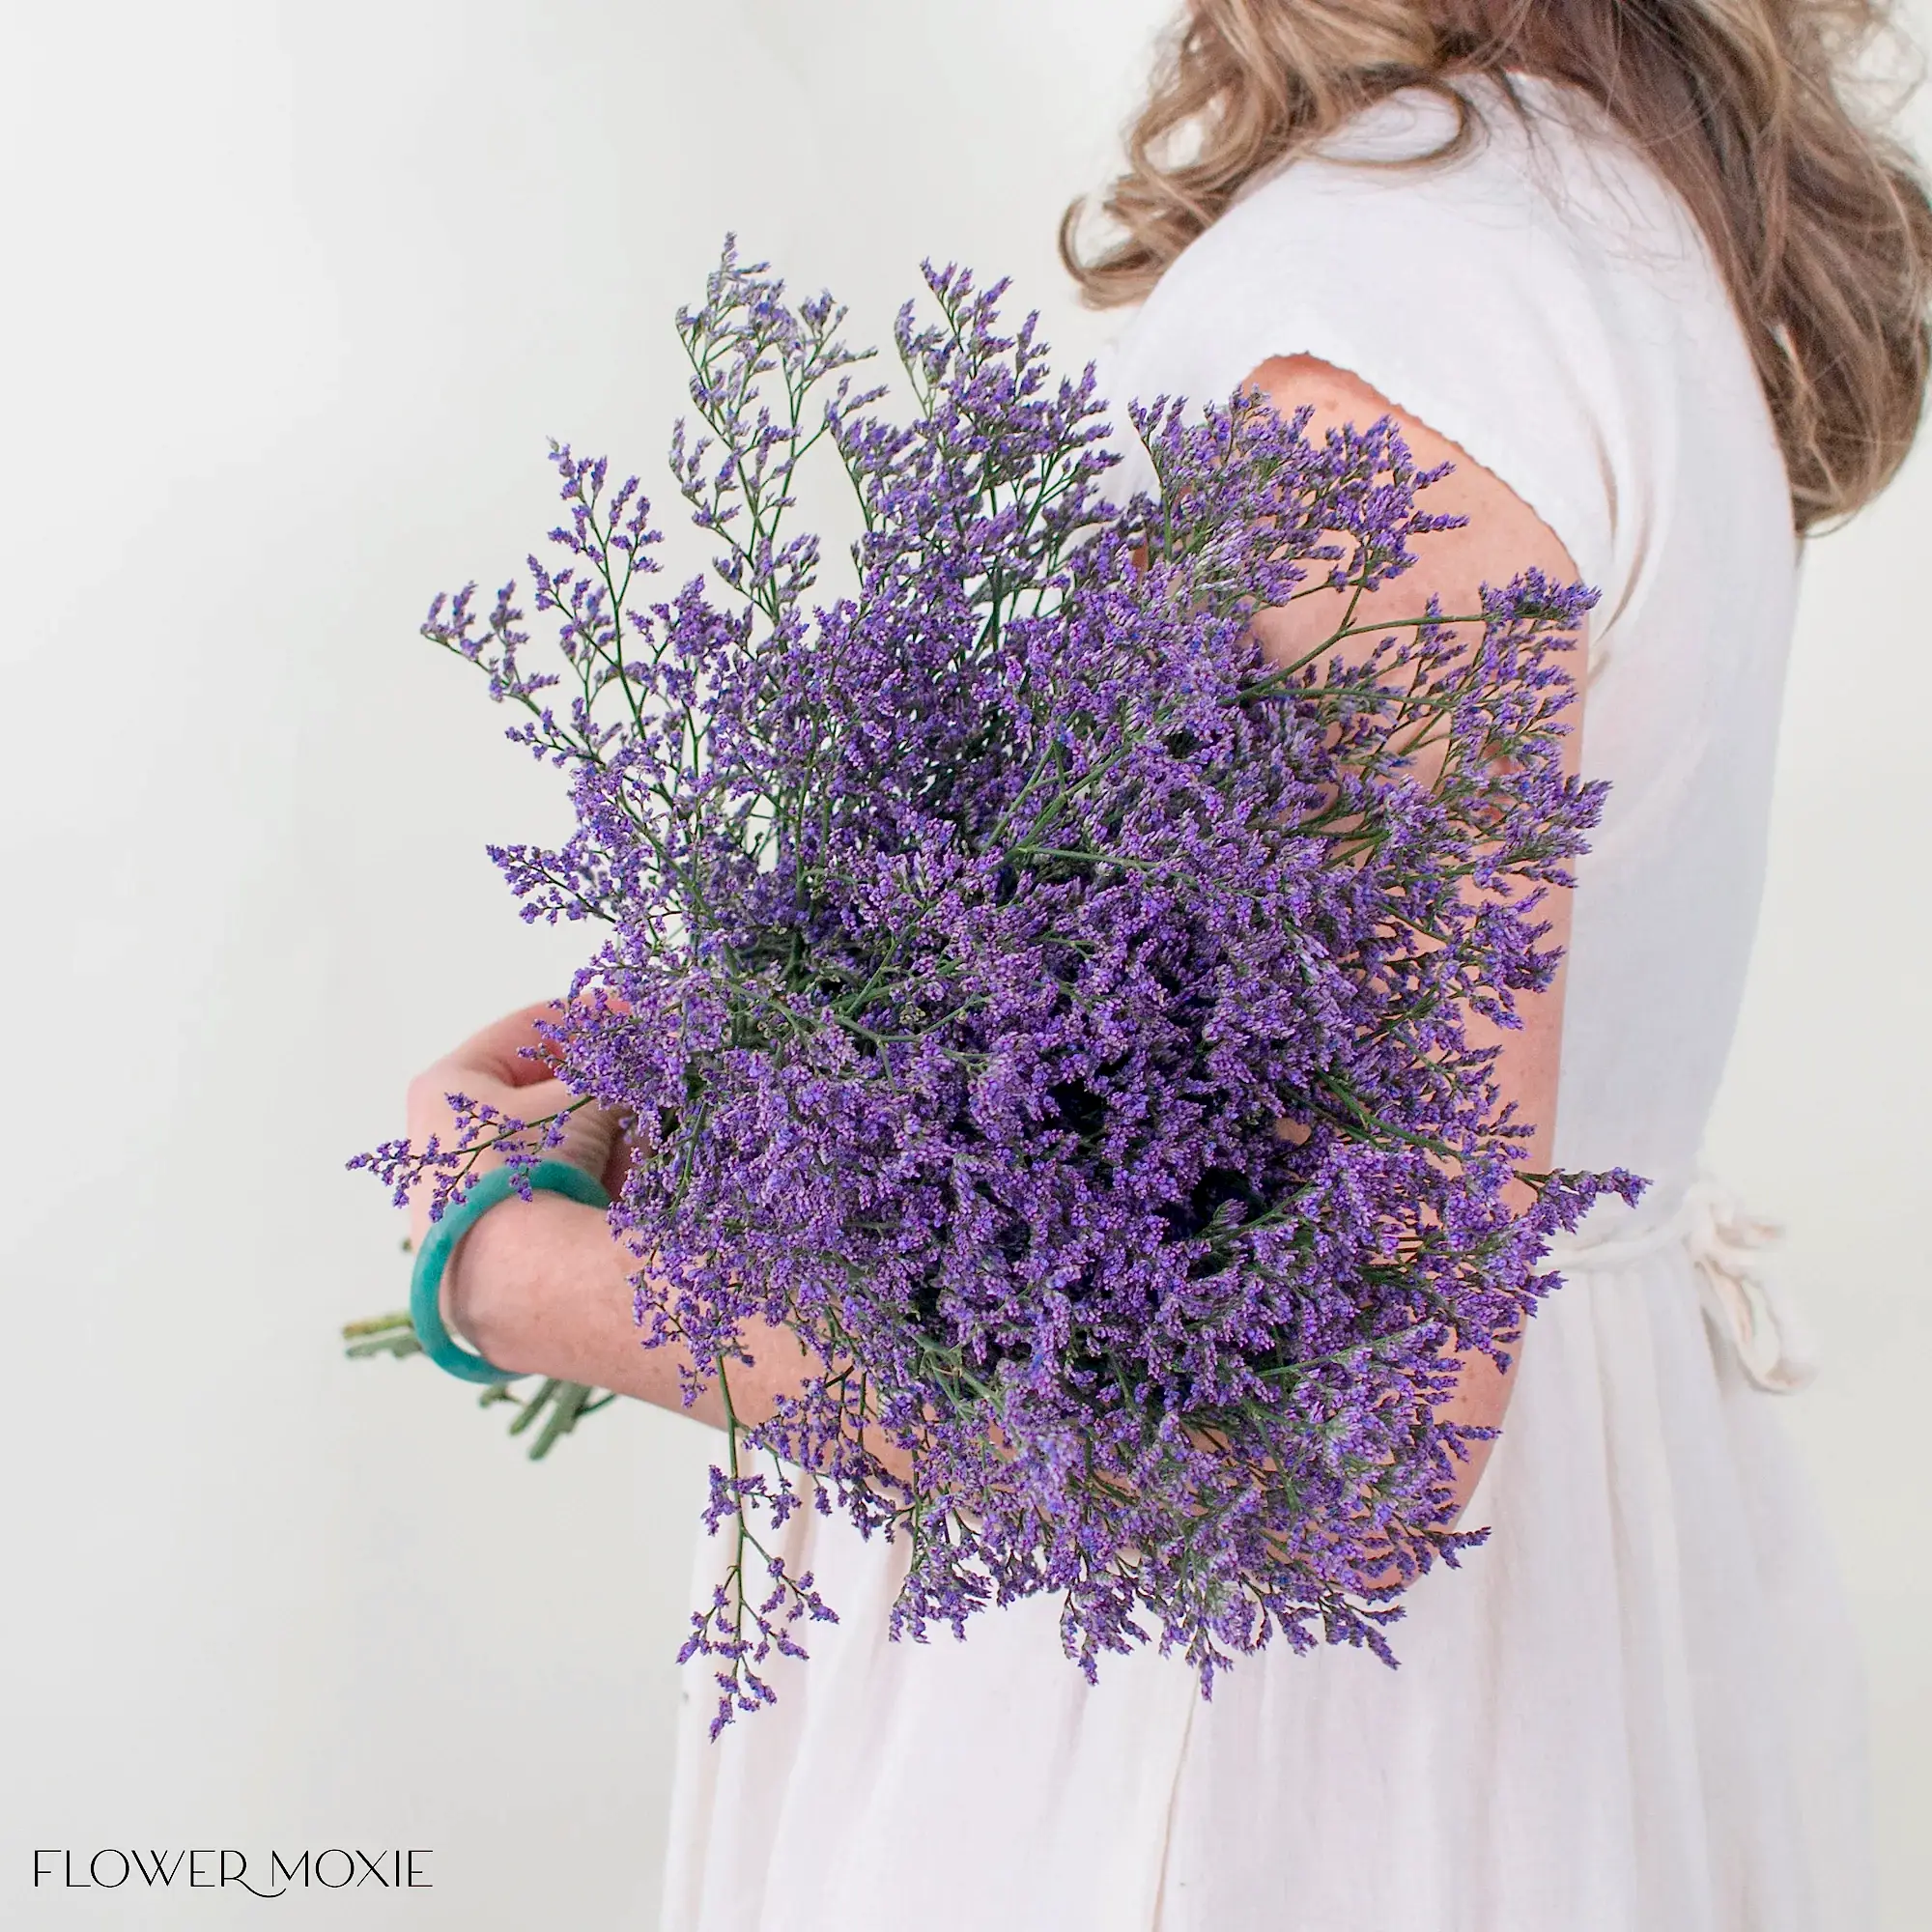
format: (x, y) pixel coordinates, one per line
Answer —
(547, 1176)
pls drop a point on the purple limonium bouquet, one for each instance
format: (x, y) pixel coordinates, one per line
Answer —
(1049, 1007)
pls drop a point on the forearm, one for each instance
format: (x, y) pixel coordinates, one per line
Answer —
(542, 1288)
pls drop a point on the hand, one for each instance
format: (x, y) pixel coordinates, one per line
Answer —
(498, 1067)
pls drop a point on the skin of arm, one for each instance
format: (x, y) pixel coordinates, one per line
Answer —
(540, 1286)
(1502, 538)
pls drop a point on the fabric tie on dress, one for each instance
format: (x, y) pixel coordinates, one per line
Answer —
(1767, 1330)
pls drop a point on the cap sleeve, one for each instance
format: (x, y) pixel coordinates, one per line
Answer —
(1486, 296)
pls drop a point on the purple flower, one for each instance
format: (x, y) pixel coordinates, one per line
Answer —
(1051, 1009)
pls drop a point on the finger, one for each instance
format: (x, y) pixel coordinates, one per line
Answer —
(504, 1050)
(593, 1128)
(543, 1098)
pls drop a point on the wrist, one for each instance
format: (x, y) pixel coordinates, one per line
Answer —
(495, 1284)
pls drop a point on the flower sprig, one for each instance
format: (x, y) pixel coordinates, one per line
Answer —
(1049, 1005)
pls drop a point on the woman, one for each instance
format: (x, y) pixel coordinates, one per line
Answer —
(1636, 268)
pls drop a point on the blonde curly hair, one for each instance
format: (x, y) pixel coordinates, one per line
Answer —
(1755, 111)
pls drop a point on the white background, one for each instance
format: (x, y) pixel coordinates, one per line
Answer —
(294, 294)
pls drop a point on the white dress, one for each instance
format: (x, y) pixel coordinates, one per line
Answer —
(1637, 1708)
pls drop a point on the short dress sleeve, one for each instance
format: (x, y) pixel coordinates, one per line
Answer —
(1488, 295)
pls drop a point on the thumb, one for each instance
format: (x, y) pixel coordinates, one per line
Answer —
(543, 1098)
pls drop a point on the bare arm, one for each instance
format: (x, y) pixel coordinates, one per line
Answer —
(1503, 537)
(541, 1287)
